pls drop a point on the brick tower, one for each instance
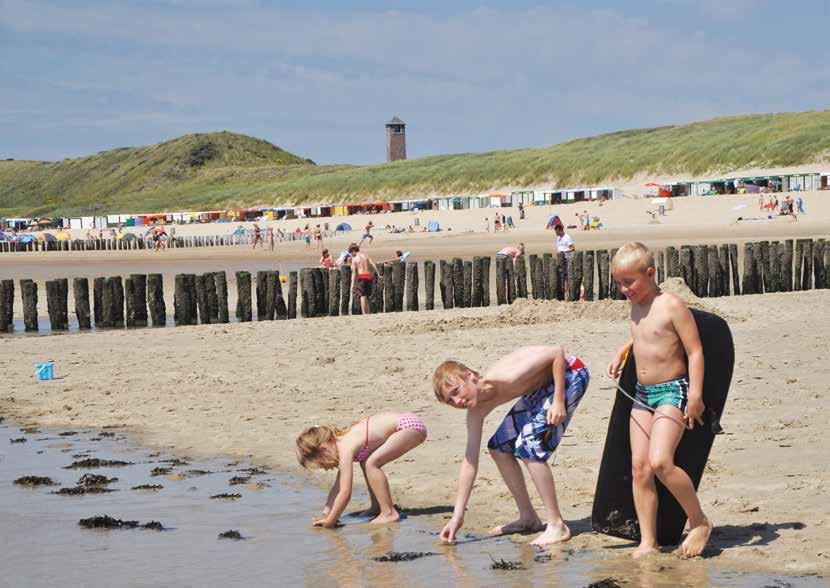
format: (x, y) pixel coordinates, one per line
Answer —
(395, 139)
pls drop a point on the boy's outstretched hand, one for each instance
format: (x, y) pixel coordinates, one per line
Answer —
(450, 529)
(694, 412)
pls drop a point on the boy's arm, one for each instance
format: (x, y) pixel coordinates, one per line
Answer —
(467, 474)
(684, 324)
(335, 490)
(557, 411)
(616, 363)
(344, 494)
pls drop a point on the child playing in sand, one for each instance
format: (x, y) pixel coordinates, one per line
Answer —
(547, 385)
(372, 442)
(665, 337)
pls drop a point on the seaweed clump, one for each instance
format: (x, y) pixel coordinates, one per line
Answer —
(239, 480)
(160, 471)
(34, 481)
(108, 522)
(148, 487)
(226, 496)
(506, 564)
(398, 556)
(230, 535)
(94, 462)
(605, 583)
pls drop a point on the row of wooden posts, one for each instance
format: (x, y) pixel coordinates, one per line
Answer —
(138, 301)
(135, 242)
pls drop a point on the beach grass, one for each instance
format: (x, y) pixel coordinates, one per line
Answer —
(225, 170)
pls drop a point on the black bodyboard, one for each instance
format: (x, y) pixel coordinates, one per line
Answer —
(613, 511)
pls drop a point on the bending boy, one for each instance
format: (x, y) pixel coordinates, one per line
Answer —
(664, 334)
(547, 385)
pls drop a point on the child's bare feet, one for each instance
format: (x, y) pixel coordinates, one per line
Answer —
(644, 550)
(372, 511)
(382, 518)
(518, 526)
(697, 539)
(553, 534)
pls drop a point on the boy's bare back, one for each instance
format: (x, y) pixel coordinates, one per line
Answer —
(658, 347)
(520, 372)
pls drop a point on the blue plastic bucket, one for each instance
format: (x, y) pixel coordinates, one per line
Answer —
(45, 370)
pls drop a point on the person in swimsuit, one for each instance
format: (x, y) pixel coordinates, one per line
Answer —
(258, 237)
(372, 442)
(546, 385)
(670, 367)
(367, 233)
(362, 276)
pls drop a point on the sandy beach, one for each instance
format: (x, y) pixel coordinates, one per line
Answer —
(246, 390)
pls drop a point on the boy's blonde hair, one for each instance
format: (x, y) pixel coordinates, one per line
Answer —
(314, 446)
(447, 373)
(633, 254)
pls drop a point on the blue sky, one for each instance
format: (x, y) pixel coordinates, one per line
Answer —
(321, 78)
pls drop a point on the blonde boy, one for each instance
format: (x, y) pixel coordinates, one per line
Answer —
(665, 339)
(547, 385)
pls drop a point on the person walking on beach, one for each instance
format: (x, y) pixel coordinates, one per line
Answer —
(800, 203)
(511, 252)
(362, 284)
(257, 237)
(270, 238)
(318, 237)
(497, 223)
(367, 233)
(670, 367)
(307, 236)
(546, 385)
(372, 442)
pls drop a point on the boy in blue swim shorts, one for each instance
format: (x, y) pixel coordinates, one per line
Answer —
(547, 385)
(669, 395)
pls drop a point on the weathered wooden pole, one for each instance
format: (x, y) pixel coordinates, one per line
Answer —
(748, 287)
(429, 284)
(129, 300)
(661, 266)
(280, 308)
(270, 295)
(388, 288)
(534, 282)
(799, 261)
(577, 259)
(758, 270)
(550, 275)
(544, 276)
(458, 282)
(827, 265)
(588, 274)
(212, 297)
(733, 267)
(723, 268)
(713, 271)
(7, 304)
(261, 295)
(107, 305)
(412, 280)
(334, 292)
(807, 277)
(603, 275)
(700, 271)
(687, 267)
(345, 290)
(476, 281)
(80, 293)
(766, 266)
(775, 250)
(244, 308)
(399, 283)
(819, 268)
(63, 301)
(446, 283)
(28, 291)
(501, 297)
(511, 280)
(139, 299)
(376, 299)
(559, 287)
(52, 304)
(521, 276)
(307, 304)
(98, 300)
(787, 267)
(672, 261)
(117, 302)
(485, 281)
(202, 299)
(155, 300)
(468, 284)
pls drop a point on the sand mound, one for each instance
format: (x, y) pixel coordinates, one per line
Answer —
(678, 287)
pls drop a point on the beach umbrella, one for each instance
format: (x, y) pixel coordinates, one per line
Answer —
(127, 236)
(48, 237)
(44, 221)
(63, 236)
(33, 223)
(26, 238)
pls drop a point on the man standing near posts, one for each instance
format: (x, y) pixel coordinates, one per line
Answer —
(362, 276)
(564, 244)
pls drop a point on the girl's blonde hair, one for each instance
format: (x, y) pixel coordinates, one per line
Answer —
(316, 446)
(447, 373)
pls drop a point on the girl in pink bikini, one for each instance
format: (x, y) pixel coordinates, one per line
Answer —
(372, 442)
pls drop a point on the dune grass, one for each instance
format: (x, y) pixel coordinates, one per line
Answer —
(223, 170)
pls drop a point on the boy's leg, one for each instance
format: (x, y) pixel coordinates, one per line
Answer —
(643, 486)
(511, 473)
(374, 507)
(665, 435)
(542, 476)
(395, 446)
(364, 304)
